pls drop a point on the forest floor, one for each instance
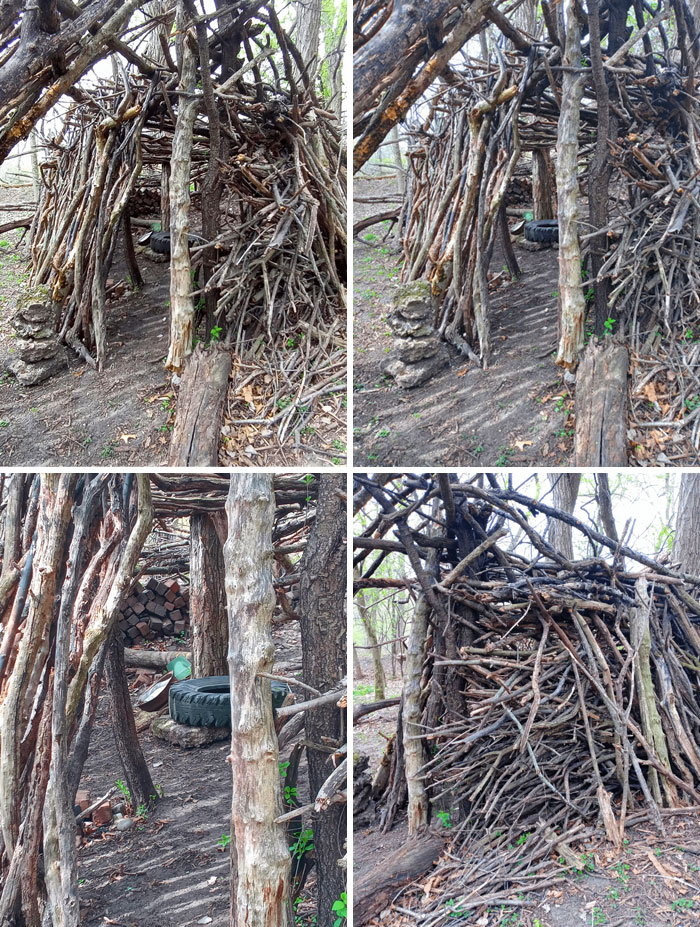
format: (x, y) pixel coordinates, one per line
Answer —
(516, 413)
(122, 416)
(519, 411)
(653, 881)
(172, 868)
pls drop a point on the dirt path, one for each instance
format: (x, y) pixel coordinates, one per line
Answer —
(171, 869)
(116, 418)
(515, 413)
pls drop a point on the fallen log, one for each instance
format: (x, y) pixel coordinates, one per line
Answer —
(200, 408)
(16, 224)
(374, 891)
(361, 710)
(374, 220)
(601, 406)
(153, 659)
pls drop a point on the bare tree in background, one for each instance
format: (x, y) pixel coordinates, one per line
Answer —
(686, 541)
(565, 488)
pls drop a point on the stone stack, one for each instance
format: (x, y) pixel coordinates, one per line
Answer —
(37, 352)
(158, 609)
(417, 352)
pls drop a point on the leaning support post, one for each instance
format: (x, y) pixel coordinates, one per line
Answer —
(181, 306)
(572, 306)
(414, 754)
(260, 860)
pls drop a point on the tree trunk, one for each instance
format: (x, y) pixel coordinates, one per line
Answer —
(12, 549)
(60, 856)
(181, 306)
(542, 186)
(200, 408)
(260, 861)
(307, 34)
(375, 649)
(601, 406)
(357, 671)
(564, 493)
(208, 621)
(572, 306)
(686, 540)
(605, 508)
(414, 754)
(322, 600)
(374, 891)
(57, 493)
(138, 777)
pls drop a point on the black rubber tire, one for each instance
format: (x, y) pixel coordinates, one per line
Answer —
(160, 242)
(207, 702)
(542, 230)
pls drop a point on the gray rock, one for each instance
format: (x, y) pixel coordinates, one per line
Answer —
(532, 245)
(31, 374)
(36, 305)
(33, 351)
(124, 824)
(118, 816)
(413, 350)
(184, 736)
(414, 300)
(409, 375)
(37, 331)
(404, 328)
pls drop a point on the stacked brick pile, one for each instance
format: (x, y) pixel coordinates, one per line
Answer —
(158, 609)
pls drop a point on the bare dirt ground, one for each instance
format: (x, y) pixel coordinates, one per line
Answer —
(515, 413)
(122, 416)
(653, 881)
(170, 869)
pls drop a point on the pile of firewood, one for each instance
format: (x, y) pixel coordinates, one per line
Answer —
(158, 609)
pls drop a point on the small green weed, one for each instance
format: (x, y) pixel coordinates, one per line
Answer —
(340, 908)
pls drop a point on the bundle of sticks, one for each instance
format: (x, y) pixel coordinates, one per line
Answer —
(558, 697)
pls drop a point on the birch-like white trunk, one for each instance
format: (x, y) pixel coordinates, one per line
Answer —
(260, 860)
(572, 306)
(181, 305)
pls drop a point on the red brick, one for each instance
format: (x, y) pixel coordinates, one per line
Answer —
(133, 633)
(167, 627)
(179, 602)
(102, 814)
(170, 595)
(179, 626)
(152, 583)
(139, 609)
(82, 798)
(156, 625)
(176, 616)
(142, 627)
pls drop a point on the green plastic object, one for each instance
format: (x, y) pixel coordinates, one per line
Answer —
(180, 667)
(529, 216)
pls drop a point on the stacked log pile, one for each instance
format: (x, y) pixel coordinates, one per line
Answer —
(158, 609)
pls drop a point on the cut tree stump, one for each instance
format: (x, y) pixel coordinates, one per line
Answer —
(200, 408)
(374, 891)
(601, 406)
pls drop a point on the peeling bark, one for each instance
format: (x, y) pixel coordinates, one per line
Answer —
(572, 306)
(181, 305)
(260, 861)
